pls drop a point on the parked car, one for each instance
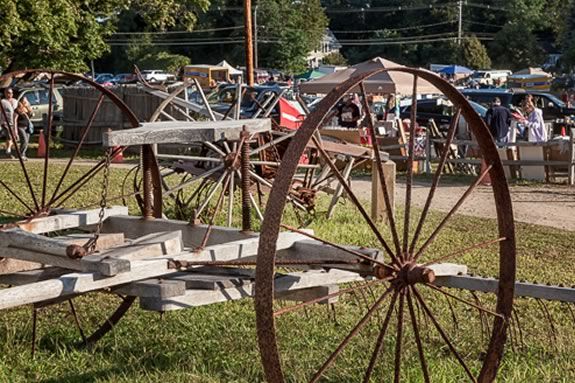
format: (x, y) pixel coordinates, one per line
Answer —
(551, 106)
(123, 78)
(157, 76)
(438, 109)
(221, 100)
(39, 98)
(103, 78)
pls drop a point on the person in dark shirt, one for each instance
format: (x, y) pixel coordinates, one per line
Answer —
(348, 114)
(498, 118)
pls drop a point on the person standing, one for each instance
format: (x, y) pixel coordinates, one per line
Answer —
(498, 119)
(24, 125)
(535, 124)
(8, 119)
(348, 114)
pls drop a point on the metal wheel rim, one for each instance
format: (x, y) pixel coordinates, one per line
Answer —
(264, 293)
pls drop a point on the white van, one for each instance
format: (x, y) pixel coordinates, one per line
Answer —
(490, 77)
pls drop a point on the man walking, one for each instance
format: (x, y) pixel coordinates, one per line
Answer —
(7, 118)
(498, 118)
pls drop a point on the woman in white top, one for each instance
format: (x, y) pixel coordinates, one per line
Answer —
(535, 124)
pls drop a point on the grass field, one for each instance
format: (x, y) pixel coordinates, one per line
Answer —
(218, 343)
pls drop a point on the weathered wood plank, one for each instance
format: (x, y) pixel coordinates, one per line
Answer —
(135, 227)
(200, 281)
(20, 239)
(70, 220)
(166, 287)
(40, 258)
(309, 294)
(32, 276)
(118, 260)
(105, 240)
(289, 282)
(522, 289)
(245, 249)
(185, 132)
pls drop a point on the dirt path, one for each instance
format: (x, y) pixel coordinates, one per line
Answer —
(549, 205)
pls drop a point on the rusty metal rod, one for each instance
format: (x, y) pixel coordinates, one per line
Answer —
(382, 180)
(48, 137)
(380, 338)
(418, 342)
(289, 309)
(77, 149)
(451, 213)
(355, 201)
(363, 321)
(436, 178)
(409, 180)
(442, 333)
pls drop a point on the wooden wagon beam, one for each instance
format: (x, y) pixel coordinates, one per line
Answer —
(184, 132)
(69, 220)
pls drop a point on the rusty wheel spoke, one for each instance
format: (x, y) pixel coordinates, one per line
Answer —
(48, 137)
(443, 334)
(380, 339)
(78, 147)
(226, 176)
(436, 178)
(355, 200)
(418, 342)
(409, 179)
(383, 182)
(84, 179)
(460, 202)
(339, 247)
(352, 334)
(15, 195)
(478, 307)
(301, 305)
(464, 251)
(399, 339)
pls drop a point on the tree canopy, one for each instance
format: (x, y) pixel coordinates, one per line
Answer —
(67, 34)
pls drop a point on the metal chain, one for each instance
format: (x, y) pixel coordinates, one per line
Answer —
(91, 244)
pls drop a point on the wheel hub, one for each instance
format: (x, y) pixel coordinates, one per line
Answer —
(409, 273)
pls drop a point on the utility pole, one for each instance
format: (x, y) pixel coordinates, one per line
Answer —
(256, 65)
(248, 42)
(460, 29)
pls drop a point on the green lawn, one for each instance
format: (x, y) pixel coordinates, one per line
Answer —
(218, 343)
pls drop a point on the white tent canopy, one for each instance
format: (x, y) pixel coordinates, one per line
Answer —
(385, 82)
(232, 71)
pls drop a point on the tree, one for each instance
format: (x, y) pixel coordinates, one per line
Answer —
(293, 28)
(515, 47)
(66, 34)
(148, 56)
(473, 54)
(334, 58)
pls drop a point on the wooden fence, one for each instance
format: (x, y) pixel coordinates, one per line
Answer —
(517, 157)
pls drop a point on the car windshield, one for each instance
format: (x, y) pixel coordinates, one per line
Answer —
(478, 75)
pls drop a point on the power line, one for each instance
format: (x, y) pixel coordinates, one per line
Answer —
(484, 24)
(180, 32)
(388, 9)
(447, 34)
(484, 6)
(397, 29)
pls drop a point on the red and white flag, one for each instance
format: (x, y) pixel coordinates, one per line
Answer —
(290, 116)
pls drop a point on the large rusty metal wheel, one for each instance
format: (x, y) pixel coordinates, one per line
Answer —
(74, 175)
(402, 279)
